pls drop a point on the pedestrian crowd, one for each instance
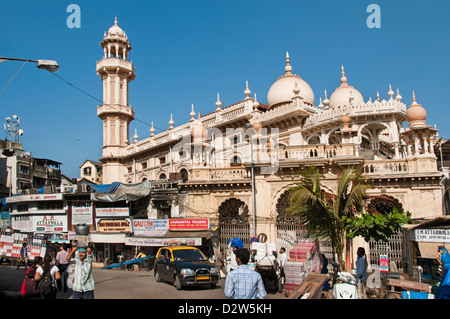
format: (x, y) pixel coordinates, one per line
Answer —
(45, 277)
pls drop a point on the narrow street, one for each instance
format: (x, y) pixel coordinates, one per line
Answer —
(122, 284)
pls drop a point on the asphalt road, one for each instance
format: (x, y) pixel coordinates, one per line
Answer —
(122, 284)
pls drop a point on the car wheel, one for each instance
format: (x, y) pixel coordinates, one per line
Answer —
(177, 283)
(157, 276)
(213, 286)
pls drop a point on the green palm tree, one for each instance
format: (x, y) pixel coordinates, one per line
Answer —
(324, 214)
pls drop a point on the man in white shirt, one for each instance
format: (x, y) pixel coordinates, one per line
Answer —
(283, 260)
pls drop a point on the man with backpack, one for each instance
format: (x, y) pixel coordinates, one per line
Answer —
(47, 275)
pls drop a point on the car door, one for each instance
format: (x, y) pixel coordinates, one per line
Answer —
(162, 264)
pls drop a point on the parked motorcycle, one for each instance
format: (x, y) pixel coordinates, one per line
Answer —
(344, 284)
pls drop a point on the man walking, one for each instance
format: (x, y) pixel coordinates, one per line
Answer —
(62, 263)
(23, 256)
(244, 283)
(83, 286)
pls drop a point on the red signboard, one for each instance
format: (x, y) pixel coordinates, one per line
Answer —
(189, 224)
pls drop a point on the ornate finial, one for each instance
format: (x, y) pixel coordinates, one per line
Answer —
(247, 91)
(326, 102)
(115, 20)
(296, 89)
(343, 77)
(192, 114)
(135, 135)
(414, 99)
(288, 67)
(255, 103)
(171, 122)
(398, 97)
(378, 97)
(391, 93)
(218, 103)
(351, 97)
(320, 104)
(152, 130)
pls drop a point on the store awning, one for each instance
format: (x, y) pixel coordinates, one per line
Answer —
(430, 250)
(123, 192)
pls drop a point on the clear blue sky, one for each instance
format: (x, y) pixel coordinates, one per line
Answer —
(185, 52)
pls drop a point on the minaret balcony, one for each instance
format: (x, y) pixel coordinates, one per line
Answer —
(112, 64)
(106, 109)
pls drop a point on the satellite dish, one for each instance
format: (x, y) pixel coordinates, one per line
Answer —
(20, 132)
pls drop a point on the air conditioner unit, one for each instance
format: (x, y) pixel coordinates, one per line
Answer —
(48, 189)
(85, 188)
(33, 190)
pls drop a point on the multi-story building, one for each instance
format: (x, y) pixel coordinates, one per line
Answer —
(239, 161)
(91, 171)
(20, 171)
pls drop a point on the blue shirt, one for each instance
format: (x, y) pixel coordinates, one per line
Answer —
(244, 283)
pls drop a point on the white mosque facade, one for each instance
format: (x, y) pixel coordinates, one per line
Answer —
(238, 162)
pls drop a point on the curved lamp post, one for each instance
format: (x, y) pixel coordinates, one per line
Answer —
(49, 65)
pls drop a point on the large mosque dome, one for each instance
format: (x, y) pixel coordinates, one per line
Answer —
(345, 94)
(282, 90)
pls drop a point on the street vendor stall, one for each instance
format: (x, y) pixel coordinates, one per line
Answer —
(421, 251)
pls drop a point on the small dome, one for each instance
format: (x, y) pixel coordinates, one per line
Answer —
(115, 29)
(342, 96)
(345, 94)
(345, 119)
(199, 131)
(416, 114)
(283, 89)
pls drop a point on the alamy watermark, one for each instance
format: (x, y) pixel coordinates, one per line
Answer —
(374, 19)
(74, 19)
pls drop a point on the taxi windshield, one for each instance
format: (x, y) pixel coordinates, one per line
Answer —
(188, 255)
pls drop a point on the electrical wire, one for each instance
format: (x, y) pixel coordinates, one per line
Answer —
(91, 96)
(13, 77)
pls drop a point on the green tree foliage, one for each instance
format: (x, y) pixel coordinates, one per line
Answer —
(375, 225)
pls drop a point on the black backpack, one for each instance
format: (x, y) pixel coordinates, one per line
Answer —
(46, 283)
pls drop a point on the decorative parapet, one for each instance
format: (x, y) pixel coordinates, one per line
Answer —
(370, 108)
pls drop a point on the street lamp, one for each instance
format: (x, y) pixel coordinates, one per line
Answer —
(49, 65)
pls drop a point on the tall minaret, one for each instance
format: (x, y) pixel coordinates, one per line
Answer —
(116, 72)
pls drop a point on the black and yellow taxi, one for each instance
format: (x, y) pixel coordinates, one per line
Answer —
(184, 266)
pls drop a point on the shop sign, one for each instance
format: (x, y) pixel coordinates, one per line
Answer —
(50, 223)
(189, 224)
(34, 197)
(5, 219)
(384, 263)
(112, 212)
(432, 235)
(22, 223)
(82, 213)
(150, 227)
(158, 242)
(114, 226)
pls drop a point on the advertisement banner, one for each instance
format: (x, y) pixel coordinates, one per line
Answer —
(33, 198)
(49, 223)
(189, 224)
(82, 213)
(150, 227)
(112, 212)
(23, 223)
(5, 219)
(432, 235)
(114, 226)
(158, 242)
